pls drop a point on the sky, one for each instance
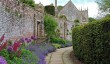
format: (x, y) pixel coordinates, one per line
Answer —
(91, 4)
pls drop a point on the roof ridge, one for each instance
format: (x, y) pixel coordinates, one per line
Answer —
(69, 2)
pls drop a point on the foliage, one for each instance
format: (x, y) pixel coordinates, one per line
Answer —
(28, 2)
(107, 16)
(63, 17)
(76, 21)
(50, 10)
(91, 19)
(104, 5)
(57, 46)
(28, 57)
(91, 42)
(50, 25)
(14, 54)
(57, 40)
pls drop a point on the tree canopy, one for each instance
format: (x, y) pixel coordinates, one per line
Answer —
(50, 25)
(104, 5)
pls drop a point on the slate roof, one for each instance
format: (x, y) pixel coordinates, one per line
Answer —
(70, 11)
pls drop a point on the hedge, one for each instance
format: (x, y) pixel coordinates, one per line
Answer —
(91, 42)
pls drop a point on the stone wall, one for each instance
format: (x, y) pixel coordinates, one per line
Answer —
(17, 20)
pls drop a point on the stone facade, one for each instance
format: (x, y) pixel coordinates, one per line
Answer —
(72, 13)
(17, 20)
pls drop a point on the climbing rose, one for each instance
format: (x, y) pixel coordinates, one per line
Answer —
(2, 60)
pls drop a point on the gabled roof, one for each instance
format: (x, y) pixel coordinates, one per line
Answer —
(69, 10)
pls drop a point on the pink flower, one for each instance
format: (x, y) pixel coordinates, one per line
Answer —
(16, 45)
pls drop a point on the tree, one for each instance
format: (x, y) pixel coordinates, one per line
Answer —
(91, 19)
(50, 25)
(104, 5)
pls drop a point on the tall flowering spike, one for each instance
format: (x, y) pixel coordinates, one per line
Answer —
(2, 38)
(16, 45)
(2, 60)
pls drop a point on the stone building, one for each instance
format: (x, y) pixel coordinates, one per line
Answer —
(72, 13)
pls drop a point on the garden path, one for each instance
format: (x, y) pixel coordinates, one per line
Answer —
(60, 56)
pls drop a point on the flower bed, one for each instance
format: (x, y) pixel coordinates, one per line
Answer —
(23, 51)
(41, 50)
(26, 51)
(14, 52)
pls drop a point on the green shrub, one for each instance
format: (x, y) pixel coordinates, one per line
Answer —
(57, 46)
(91, 42)
(58, 40)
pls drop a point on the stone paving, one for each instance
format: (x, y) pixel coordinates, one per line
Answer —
(60, 56)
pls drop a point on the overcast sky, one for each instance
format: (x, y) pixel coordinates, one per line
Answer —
(91, 4)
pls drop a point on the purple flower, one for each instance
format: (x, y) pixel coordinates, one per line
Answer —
(26, 39)
(2, 60)
(10, 49)
(33, 37)
(22, 40)
(29, 40)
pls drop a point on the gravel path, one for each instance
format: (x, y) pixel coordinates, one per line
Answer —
(61, 56)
